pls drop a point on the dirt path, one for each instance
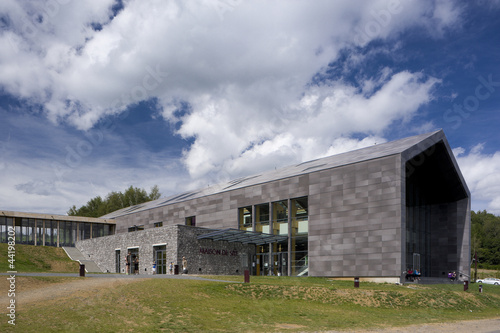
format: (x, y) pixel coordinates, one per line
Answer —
(476, 326)
(33, 293)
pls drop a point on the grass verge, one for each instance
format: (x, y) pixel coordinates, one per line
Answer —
(266, 304)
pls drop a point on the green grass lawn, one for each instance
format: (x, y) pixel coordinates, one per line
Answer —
(29, 258)
(266, 304)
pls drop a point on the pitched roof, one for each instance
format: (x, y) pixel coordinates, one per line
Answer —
(408, 147)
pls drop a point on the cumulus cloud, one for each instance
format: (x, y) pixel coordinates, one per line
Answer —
(243, 69)
(482, 174)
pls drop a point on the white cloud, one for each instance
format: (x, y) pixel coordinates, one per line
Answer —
(240, 142)
(482, 174)
(243, 68)
(269, 49)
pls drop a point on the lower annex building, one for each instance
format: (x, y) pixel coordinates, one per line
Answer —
(371, 213)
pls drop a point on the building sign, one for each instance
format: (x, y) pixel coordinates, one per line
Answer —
(218, 252)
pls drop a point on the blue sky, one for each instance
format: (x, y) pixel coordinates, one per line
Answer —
(99, 95)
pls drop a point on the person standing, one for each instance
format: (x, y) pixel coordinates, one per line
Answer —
(154, 267)
(136, 265)
(171, 267)
(127, 263)
(184, 265)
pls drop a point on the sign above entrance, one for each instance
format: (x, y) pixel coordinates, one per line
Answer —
(219, 252)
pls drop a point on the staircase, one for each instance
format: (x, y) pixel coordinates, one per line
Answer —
(75, 255)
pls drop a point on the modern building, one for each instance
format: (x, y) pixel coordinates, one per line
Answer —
(51, 229)
(370, 213)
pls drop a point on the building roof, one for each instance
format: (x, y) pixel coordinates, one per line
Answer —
(55, 217)
(407, 147)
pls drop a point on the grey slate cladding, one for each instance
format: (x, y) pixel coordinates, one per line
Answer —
(357, 210)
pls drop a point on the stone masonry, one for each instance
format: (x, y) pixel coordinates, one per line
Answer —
(203, 256)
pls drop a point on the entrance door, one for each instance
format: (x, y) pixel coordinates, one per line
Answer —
(263, 264)
(117, 261)
(133, 258)
(280, 260)
(161, 259)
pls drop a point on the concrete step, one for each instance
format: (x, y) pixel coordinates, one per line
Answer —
(75, 255)
(90, 266)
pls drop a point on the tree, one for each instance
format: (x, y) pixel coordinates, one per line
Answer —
(113, 201)
(154, 193)
(485, 238)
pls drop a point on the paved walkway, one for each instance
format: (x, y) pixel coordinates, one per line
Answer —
(124, 276)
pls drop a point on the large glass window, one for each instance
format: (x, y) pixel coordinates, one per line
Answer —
(50, 233)
(18, 229)
(280, 218)
(418, 226)
(97, 230)
(74, 231)
(66, 234)
(108, 230)
(39, 232)
(262, 218)
(245, 218)
(299, 239)
(84, 230)
(160, 258)
(3, 230)
(31, 231)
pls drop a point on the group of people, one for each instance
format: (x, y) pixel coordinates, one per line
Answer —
(129, 260)
(413, 274)
(452, 276)
(170, 267)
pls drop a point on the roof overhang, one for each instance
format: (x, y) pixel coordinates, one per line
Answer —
(243, 236)
(4, 213)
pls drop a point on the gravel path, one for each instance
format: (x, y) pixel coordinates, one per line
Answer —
(474, 326)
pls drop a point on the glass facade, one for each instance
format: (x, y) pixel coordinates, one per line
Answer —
(262, 218)
(43, 232)
(289, 218)
(299, 236)
(418, 230)
(245, 218)
(5, 222)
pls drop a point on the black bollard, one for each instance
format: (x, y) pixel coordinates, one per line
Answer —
(247, 276)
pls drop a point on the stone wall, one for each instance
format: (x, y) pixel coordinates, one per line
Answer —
(214, 258)
(102, 250)
(203, 256)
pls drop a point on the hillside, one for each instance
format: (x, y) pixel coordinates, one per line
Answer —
(29, 258)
